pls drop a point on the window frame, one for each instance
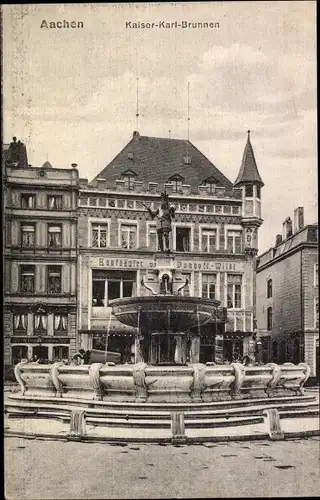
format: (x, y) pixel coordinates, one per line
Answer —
(209, 227)
(55, 197)
(316, 275)
(33, 225)
(245, 191)
(269, 288)
(19, 330)
(234, 291)
(315, 312)
(214, 283)
(121, 280)
(233, 229)
(128, 222)
(152, 225)
(58, 330)
(177, 182)
(23, 196)
(50, 268)
(269, 318)
(53, 225)
(38, 330)
(186, 225)
(101, 221)
(25, 273)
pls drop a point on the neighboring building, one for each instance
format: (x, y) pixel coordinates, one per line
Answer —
(214, 240)
(40, 258)
(288, 296)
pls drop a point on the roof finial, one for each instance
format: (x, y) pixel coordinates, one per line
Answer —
(169, 134)
(248, 134)
(137, 112)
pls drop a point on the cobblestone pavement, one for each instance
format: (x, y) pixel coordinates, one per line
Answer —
(68, 470)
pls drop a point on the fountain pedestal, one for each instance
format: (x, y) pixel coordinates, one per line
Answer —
(195, 349)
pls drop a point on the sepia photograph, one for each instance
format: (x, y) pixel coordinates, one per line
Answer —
(160, 250)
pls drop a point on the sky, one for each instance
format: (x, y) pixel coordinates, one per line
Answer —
(70, 94)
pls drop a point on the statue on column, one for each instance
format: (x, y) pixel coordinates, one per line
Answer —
(164, 217)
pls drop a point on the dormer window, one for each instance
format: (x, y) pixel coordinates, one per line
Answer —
(187, 160)
(210, 183)
(176, 181)
(130, 155)
(128, 177)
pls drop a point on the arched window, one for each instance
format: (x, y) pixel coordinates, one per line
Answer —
(176, 181)
(249, 190)
(210, 183)
(269, 288)
(129, 176)
(269, 318)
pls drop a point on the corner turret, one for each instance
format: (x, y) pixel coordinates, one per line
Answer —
(250, 182)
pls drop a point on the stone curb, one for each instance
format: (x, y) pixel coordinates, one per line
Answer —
(188, 440)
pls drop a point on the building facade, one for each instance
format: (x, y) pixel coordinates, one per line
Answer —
(214, 241)
(288, 296)
(40, 259)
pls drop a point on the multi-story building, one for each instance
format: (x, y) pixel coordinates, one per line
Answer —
(40, 258)
(288, 296)
(214, 240)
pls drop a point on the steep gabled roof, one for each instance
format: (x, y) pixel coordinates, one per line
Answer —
(157, 159)
(248, 170)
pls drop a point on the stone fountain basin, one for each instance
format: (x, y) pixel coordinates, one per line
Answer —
(160, 384)
(164, 312)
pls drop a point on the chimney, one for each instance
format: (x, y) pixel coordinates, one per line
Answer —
(287, 228)
(278, 239)
(298, 219)
(136, 135)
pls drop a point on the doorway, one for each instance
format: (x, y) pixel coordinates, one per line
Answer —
(233, 349)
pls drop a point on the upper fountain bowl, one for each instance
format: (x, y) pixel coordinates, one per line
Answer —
(169, 313)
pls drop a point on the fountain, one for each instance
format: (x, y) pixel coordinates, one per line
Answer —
(167, 394)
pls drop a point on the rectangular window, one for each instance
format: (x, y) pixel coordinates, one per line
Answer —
(269, 288)
(55, 202)
(316, 312)
(258, 191)
(28, 200)
(315, 275)
(28, 235)
(153, 238)
(234, 283)
(99, 235)
(27, 279)
(60, 323)
(128, 236)
(186, 279)
(54, 236)
(108, 285)
(208, 240)
(20, 323)
(40, 323)
(183, 239)
(269, 318)
(54, 280)
(176, 185)
(209, 286)
(249, 191)
(128, 182)
(234, 244)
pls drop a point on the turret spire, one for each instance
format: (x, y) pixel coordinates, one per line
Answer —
(248, 171)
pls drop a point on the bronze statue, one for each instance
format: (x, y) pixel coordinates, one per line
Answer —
(164, 218)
